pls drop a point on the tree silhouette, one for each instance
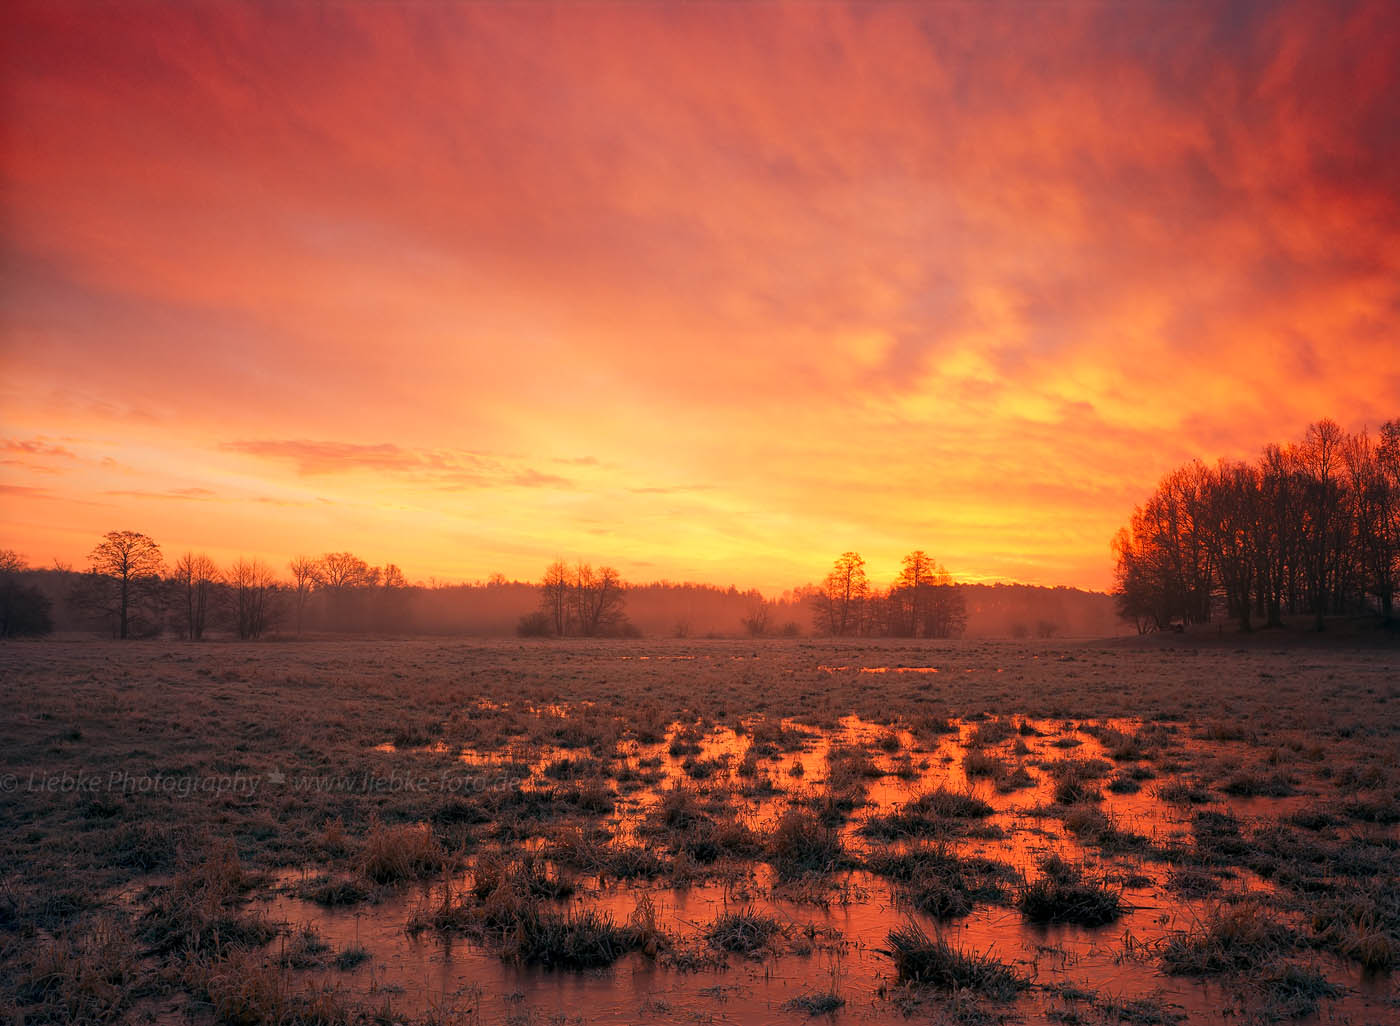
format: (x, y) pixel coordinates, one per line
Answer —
(338, 572)
(554, 596)
(757, 621)
(305, 572)
(1309, 528)
(124, 575)
(598, 600)
(254, 609)
(844, 594)
(911, 590)
(195, 577)
(580, 601)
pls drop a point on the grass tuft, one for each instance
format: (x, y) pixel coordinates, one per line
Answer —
(408, 851)
(925, 961)
(1064, 894)
(801, 844)
(745, 932)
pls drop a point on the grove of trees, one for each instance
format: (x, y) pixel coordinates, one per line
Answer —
(923, 602)
(1308, 529)
(578, 600)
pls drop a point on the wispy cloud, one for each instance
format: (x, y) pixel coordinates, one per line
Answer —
(440, 468)
(176, 494)
(35, 447)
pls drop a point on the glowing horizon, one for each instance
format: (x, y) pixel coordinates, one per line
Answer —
(706, 293)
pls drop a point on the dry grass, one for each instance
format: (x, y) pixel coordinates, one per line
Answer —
(245, 989)
(979, 764)
(583, 939)
(199, 913)
(393, 854)
(1231, 938)
(90, 977)
(935, 880)
(1361, 923)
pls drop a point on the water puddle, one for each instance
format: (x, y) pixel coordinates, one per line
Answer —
(1121, 826)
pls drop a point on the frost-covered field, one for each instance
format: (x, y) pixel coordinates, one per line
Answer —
(687, 831)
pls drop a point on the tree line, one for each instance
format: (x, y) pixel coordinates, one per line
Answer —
(130, 591)
(129, 588)
(1308, 529)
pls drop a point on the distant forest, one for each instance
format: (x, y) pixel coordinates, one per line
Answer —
(129, 590)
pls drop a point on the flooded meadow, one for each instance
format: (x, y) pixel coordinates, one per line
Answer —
(716, 831)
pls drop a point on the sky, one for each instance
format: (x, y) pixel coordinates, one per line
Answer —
(707, 292)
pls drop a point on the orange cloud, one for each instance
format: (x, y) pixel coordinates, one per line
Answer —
(761, 284)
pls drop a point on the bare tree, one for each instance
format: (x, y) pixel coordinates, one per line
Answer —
(255, 594)
(124, 574)
(1374, 478)
(1322, 455)
(758, 620)
(554, 596)
(843, 596)
(925, 601)
(195, 576)
(1388, 521)
(911, 590)
(346, 580)
(1280, 497)
(597, 599)
(340, 571)
(305, 573)
(947, 608)
(1233, 531)
(392, 598)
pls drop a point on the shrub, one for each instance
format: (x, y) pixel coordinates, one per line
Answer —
(534, 625)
